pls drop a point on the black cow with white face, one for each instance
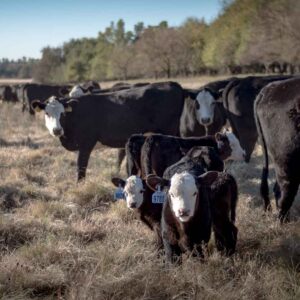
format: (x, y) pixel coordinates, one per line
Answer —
(203, 112)
(111, 118)
(277, 113)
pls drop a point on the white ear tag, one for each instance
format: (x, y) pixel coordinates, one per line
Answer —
(119, 193)
(158, 197)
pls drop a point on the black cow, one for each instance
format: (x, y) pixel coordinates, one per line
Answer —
(277, 112)
(8, 94)
(42, 92)
(196, 202)
(111, 118)
(238, 99)
(203, 112)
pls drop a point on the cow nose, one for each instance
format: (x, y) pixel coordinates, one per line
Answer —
(183, 212)
(132, 205)
(57, 131)
(205, 120)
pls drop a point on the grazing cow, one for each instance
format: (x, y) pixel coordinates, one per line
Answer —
(238, 99)
(160, 151)
(8, 94)
(85, 88)
(196, 202)
(42, 92)
(138, 197)
(111, 118)
(277, 113)
(203, 112)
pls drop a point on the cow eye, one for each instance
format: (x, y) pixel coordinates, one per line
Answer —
(195, 194)
(141, 191)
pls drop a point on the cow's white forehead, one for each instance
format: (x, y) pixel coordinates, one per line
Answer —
(182, 182)
(205, 97)
(133, 183)
(76, 91)
(54, 105)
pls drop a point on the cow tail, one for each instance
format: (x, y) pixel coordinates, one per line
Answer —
(146, 156)
(264, 187)
(234, 198)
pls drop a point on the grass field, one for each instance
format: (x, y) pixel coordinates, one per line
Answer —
(60, 240)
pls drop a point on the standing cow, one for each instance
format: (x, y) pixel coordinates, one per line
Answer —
(238, 98)
(111, 118)
(277, 112)
(203, 112)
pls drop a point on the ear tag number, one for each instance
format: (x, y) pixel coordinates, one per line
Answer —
(158, 197)
(119, 193)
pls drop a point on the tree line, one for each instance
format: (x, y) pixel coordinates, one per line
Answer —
(248, 36)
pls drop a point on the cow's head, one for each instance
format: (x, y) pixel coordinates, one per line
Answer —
(133, 190)
(183, 191)
(78, 91)
(229, 146)
(205, 102)
(53, 110)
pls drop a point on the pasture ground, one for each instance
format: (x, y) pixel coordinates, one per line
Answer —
(60, 240)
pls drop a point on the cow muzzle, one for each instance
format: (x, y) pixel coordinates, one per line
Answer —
(58, 132)
(206, 121)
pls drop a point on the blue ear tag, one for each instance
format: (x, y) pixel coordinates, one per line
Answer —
(119, 193)
(158, 197)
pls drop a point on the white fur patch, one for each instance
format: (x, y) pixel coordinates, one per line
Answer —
(237, 153)
(53, 110)
(205, 113)
(76, 92)
(134, 192)
(183, 195)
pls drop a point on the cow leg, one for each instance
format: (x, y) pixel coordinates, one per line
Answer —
(158, 237)
(172, 252)
(82, 162)
(288, 193)
(121, 155)
(226, 237)
(277, 193)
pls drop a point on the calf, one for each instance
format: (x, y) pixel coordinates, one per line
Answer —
(277, 113)
(196, 203)
(160, 151)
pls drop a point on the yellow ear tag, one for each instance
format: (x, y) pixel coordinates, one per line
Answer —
(68, 109)
(37, 109)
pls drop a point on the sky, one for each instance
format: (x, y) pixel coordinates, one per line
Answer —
(26, 26)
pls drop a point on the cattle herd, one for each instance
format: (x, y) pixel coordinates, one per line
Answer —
(176, 143)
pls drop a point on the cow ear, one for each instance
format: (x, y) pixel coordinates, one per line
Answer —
(192, 94)
(118, 182)
(207, 178)
(218, 136)
(37, 105)
(153, 181)
(64, 91)
(67, 106)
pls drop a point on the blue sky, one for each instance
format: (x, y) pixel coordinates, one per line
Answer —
(26, 26)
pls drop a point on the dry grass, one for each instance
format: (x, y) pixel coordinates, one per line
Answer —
(60, 240)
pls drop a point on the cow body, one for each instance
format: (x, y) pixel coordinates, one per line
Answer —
(238, 98)
(112, 117)
(277, 112)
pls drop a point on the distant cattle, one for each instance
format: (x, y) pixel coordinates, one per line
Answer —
(203, 112)
(238, 98)
(42, 92)
(196, 202)
(8, 93)
(277, 112)
(111, 118)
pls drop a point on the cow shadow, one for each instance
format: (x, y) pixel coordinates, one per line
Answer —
(23, 143)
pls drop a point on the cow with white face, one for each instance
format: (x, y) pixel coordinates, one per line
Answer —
(53, 110)
(138, 197)
(195, 205)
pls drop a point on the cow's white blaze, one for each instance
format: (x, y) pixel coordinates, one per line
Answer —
(53, 111)
(134, 192)
(205, 113)
(76, 92)
(183, 195)
(237, 152)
